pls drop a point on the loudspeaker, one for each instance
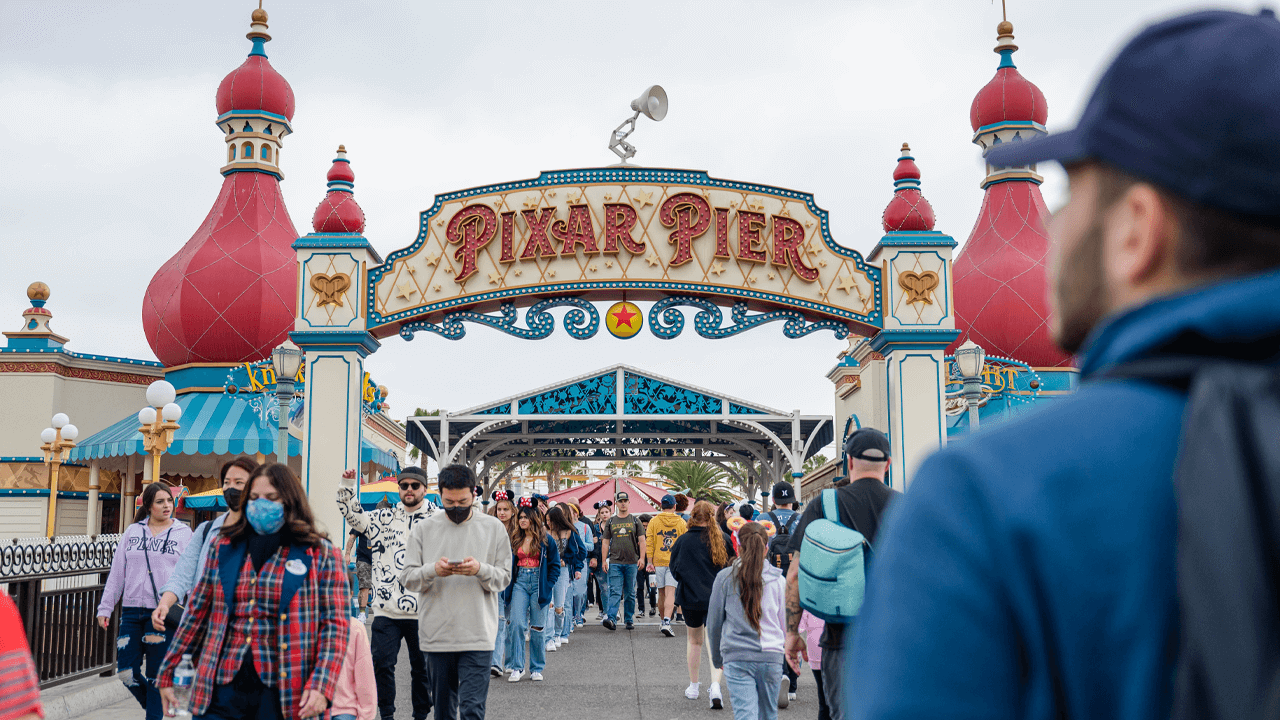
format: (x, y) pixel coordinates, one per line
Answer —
(653, 103)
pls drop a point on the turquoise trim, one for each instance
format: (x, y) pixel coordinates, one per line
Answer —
(257, 113)
(614, 176)
(1006, 59)
(276, 175)
(340, 340)
(34, 342)
(346, 446)
(351, 241)
(1010, 125)
(942, 425)
(912, 339)
(259, 47)
(1012, 179)
(62, 494)
(929, 238)
(84, 356)
(944, 284)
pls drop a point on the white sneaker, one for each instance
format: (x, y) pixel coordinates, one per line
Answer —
(536, 677)
(717, 702)
(551, 646)
(515, 676)
(791, 696)
(564, 640)
(691, 692)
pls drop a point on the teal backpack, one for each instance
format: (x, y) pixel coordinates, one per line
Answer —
(833, 566)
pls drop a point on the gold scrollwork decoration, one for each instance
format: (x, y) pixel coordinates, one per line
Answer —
(330, 288)
(919, 286)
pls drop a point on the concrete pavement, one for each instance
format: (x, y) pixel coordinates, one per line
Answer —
(620, 675)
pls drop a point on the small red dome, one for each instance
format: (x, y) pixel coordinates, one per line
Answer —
(339, 212)
(255, 85)
(908, 211)
(1008, 96)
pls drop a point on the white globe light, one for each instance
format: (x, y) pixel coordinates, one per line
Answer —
(48, 435)
(160, 393)
(147, 415)
(60, 420)
(171, 412)
(70, 432)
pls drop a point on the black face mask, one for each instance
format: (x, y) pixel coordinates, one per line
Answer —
(232, 496)
(458, 515)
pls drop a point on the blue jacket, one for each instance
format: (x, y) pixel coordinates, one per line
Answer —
(548, 572)
(575, 554)
(1029, 570)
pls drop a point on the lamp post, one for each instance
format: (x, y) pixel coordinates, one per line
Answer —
(158, 423)
(286, 360)
(971, 358)
(58, 440)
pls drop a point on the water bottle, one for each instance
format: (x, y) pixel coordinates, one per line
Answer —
(183, 678)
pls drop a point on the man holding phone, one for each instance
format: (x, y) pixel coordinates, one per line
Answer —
(458, 562)
(395, 607)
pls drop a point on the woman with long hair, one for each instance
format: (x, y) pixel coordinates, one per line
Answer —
(149, 550)
(747, 627)
(696, 557)
(573, 555)
(724, 514)
(504, 510)
(535, 564)
(579, 587)
(267, 625)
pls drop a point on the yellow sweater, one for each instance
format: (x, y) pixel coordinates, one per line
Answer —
(663, 530)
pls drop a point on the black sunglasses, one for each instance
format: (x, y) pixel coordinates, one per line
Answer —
(410, 486)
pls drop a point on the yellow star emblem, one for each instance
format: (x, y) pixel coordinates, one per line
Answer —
(495, 278)
(532, 203)
(433, 259)
(717, 267)
(405, 290)
(642, 199)
(652, 259)
(847, 284)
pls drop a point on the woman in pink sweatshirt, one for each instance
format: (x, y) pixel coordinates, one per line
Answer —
(355, 697)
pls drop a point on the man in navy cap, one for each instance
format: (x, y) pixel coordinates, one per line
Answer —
(1030, 571)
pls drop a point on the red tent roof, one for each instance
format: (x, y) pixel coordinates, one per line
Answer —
(644, 496)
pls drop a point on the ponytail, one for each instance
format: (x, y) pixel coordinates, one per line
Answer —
(753, 547)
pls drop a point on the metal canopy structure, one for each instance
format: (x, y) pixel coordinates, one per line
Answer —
(619, 413)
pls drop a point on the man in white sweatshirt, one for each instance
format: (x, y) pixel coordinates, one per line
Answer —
(395, 608)
(458, 562)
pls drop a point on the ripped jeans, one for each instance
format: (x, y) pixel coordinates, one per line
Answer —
(139, 641)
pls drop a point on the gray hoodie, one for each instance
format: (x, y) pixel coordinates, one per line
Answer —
(732, 638)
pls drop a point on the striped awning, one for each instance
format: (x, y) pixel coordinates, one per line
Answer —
(212, 424)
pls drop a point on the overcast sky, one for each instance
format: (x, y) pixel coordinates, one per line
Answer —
(112, 156)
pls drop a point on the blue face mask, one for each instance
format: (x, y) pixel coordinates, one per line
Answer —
(266, 516)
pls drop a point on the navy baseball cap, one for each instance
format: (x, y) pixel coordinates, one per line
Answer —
(1191, 104)
(867, 444)
(668, 501)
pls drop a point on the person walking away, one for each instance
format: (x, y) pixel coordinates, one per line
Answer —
(643, 588)
(746, 626)
(395, 617)
(459, 562)
(660, 537)
(682, 506)
(534, 565)
(696, 558)
(811, 627)
(267, 626)
(579, 588)
(20, 699)
(784, 518)
(1105, 576)
(861, 502)
(149, 550)
(358, 551)
(573, 555)
(599, 578)
(355, 695)
(235, 473)
(622, 552)
(724, 514)
(505, 511)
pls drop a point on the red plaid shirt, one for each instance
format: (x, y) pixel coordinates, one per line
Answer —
(19, 686)
(294, 649)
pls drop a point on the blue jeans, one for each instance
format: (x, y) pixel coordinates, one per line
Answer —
(559, 601)
(500, 643)
(139, 641)
(525, 613)
(622, 583)
(753, 689)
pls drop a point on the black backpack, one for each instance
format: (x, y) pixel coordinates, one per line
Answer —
(779, 555)
(1228, 563)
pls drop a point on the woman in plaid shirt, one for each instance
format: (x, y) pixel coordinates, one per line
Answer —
(266, 625)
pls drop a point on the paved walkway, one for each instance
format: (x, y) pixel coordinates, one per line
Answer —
(620, 675)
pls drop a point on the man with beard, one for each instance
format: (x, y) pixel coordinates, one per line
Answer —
(395, 607)
(1030, 570)
(458, 562)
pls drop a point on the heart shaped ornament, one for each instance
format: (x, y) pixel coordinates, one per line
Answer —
(919, 286)
(330, 288)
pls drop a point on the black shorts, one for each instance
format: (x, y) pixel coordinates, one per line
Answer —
(694, 617)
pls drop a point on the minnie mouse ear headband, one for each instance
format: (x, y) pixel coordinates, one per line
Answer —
(525, 503)
(500, 495)
(540, 498)
(603, 504)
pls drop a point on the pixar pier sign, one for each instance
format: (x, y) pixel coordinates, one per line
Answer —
(610, 233)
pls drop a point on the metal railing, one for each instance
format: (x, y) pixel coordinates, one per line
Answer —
(57, 584)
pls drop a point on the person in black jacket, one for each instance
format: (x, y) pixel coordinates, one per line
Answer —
(598, 588)
(696, 557)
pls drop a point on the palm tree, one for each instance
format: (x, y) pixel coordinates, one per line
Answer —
(697, 479)
(553, 469)
(421, 412)
(814, 463)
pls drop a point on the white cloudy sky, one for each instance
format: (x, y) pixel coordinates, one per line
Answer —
(112, 156)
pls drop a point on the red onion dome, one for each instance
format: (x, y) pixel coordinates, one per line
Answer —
(255, 85)
(908, 211)
(1008, 96)
(339, 212)
(228, 295)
